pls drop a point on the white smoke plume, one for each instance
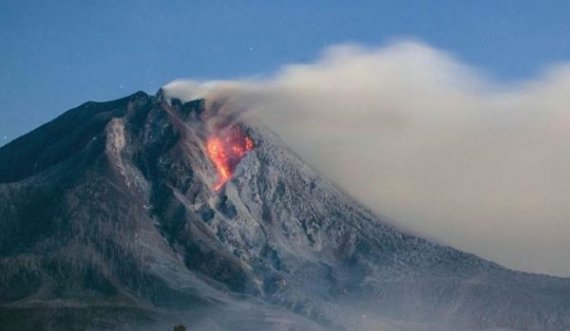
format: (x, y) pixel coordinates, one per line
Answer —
(429, 142)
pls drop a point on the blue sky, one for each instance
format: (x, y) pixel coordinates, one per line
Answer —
(58, 54)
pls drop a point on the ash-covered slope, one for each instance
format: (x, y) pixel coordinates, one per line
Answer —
(109, 218)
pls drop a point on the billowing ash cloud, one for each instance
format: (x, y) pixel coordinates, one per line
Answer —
(430, 143)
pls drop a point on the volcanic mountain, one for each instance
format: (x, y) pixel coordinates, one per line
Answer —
(143, 213)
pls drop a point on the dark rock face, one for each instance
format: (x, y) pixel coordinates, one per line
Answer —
(109, 212)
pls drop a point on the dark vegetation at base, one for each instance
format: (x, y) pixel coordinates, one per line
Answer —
(72, 318)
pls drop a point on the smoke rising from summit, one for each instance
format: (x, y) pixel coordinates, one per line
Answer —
(428, 141)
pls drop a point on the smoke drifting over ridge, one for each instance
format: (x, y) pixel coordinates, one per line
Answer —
(429, 142)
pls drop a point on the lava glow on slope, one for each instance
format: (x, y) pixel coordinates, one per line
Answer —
(226, 148)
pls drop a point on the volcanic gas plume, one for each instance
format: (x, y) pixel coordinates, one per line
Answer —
(226, 148)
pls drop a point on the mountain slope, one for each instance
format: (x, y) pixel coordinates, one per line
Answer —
(114, 205)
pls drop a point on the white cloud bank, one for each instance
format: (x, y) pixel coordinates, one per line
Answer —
(430, 143)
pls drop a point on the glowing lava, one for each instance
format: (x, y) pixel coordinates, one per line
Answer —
(226, 148)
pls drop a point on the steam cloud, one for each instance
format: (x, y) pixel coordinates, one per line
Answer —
(429, 142)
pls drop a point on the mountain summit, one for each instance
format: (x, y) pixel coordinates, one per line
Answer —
(146, 212)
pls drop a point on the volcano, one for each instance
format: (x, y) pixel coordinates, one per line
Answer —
(131, 215)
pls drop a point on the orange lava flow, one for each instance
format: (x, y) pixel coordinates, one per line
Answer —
(226, 148)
